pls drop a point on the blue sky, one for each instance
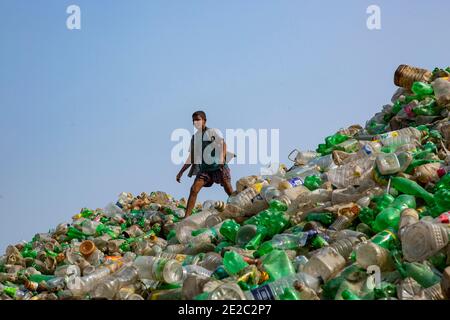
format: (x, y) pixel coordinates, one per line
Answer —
(87, 114)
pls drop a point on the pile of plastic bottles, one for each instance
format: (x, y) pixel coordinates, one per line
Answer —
(364, 217)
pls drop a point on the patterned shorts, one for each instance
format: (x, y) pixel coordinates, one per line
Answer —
(217, 176)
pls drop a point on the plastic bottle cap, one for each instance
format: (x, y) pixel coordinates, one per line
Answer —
(441, 172)
(444, 218)
(87, 247)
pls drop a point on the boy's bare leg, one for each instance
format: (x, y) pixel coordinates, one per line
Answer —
(195, 189)
(228, 187)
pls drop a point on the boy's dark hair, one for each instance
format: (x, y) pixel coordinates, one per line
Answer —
(200, 114)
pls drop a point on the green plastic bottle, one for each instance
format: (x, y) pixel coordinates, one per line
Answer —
(427, 107)
(349, 295)
(312, 182)
(367, 216)
(29, 253)
(325, 218)
(386, 290)
(40, 277)
(86, 213)
(383, 201)
(229, 230)
(443, 183)
(277, 206)
(277, 264)
(318, 242)
(73, 233)
(331, 142)
(221, 245)
(412, 188)
(386, 239)
(102, 229)
(256, 241)
(421, 273)
(390, 216)
(442, 204)
(233, 262)
(419, 162)
(290, 294)
(273, 220)
(422, 88)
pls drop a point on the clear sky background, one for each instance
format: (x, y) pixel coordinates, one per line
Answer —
(87, 114)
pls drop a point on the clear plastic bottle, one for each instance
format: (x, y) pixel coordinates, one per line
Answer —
(196, 269)
(67, 270)
(423, 239)
(213, 220)
(84, 284)
(434, 292)
(302, 172)
(324, 163)
(211, 261)
(209, 235)
(302, 157)
(299, 262)
(185, 227)
(285, 241)
(244, 198)
(345, 246)
(344, 221)
(269, 193)
(369, 253)
(326, 263)
(111, 210)
(160, 269)
(408, 217)
(351, 173)
(89, 227)
(212, 205)
(110, 286)
(400, 137)
(127, 291)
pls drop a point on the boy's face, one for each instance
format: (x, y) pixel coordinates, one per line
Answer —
(198, 122)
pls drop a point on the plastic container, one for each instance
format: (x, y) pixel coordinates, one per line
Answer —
(387, 163)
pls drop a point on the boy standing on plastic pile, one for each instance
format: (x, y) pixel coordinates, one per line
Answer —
(207, 157)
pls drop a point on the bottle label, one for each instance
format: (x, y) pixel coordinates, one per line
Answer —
(367, 149)
(295, 182)
(263, 293)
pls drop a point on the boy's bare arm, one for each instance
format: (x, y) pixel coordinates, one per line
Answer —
(186, 165)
